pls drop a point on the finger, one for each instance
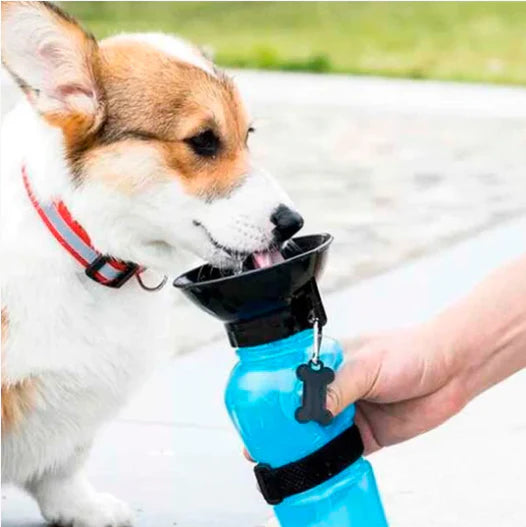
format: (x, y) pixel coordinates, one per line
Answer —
(247, 455)
(355, 380)
(370, 443)
(355, 344)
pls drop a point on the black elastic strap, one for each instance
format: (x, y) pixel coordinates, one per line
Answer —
(276, 484)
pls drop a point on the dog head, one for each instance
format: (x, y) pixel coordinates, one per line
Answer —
(155, 138)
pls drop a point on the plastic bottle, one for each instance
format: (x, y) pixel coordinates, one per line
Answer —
(268, 315)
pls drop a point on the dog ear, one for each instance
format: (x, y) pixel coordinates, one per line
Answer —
(55, 62)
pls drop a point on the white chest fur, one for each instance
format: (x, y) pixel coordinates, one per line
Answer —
(86, 346)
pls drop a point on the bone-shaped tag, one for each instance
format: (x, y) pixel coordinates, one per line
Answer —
(315, 378)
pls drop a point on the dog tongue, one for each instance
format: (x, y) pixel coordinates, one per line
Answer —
(266, 259)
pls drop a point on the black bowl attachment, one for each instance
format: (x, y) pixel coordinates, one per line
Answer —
(263, 305)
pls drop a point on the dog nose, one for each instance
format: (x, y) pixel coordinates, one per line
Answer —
(287, 221)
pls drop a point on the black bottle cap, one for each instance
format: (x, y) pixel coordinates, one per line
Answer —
(263, 305)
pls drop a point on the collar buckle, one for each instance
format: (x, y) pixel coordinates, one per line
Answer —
(94, 267)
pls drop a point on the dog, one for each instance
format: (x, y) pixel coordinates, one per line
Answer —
(127, 156)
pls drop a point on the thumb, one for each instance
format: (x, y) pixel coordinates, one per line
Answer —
(354, 380)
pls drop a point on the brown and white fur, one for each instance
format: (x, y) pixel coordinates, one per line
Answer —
(107, 128)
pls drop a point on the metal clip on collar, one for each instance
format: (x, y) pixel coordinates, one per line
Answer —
(148, 288)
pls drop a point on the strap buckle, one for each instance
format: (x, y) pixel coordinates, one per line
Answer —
(271, 492)
(94, 267)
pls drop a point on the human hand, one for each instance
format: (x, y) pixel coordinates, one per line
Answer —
(409, 381)
(404, 383)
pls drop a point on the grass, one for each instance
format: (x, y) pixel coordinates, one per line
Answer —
(474, 41)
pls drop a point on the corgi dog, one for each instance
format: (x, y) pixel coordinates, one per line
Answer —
(127, 156)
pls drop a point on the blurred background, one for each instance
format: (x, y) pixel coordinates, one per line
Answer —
(474, 41)
(394, 168)
(397, 127)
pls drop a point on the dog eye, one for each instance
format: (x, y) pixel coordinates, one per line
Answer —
(205, 144)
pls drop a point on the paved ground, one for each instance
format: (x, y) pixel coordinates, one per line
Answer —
(392, 168)
(174, 457)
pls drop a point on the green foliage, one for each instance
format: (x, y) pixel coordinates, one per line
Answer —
(472, 41)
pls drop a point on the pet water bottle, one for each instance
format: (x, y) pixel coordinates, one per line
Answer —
(309, 463)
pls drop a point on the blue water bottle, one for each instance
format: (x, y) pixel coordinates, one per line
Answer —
(309, 463)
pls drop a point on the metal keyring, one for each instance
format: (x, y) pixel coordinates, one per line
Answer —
(317, 340)
(148, 288)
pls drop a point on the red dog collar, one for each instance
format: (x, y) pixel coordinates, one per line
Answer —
(103, 269)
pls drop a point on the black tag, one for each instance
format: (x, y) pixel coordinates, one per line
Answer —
(315, 378)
